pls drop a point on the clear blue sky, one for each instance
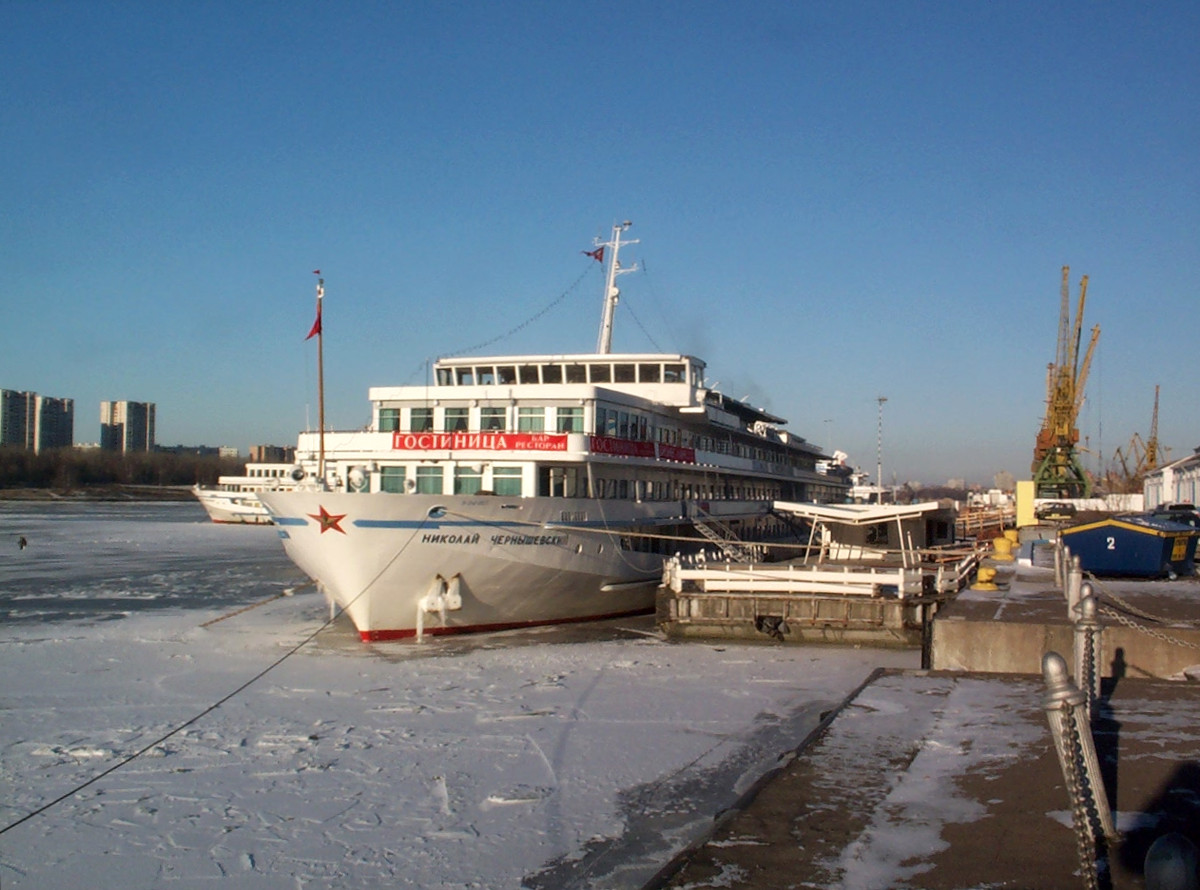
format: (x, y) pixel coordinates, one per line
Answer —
(836, 201)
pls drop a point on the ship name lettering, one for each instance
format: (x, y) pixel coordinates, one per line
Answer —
(432, 538)
(529, 540)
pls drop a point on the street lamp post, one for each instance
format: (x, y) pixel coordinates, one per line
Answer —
(879, 446)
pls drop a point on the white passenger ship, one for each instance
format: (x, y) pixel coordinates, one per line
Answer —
(234, 499)
(537, 489)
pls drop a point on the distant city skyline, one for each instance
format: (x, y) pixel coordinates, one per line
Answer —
(35, 422)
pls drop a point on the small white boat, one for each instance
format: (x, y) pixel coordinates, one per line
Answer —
(234, 499)
(536, 489)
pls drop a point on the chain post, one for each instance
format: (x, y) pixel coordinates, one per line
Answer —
(1066, 713)
(1074, 583)
(1087, 648)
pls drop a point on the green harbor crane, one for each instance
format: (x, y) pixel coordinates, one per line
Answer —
(1057, 472)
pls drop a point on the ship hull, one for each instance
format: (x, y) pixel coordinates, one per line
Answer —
(403, 565)
(233, 508)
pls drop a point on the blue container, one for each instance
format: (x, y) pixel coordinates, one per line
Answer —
(1135, 545)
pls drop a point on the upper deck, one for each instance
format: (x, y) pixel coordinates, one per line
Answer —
(666, 380)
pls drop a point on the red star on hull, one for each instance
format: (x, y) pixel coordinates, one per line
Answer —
(328, 520)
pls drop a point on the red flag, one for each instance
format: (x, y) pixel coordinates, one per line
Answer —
(316, 328)
(316, 271)
(597, 254)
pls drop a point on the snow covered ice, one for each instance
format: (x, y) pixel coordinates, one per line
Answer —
(584, 756)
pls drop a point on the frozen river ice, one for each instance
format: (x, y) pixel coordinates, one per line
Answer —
(567, 757)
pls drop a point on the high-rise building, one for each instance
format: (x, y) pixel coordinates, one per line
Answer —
(127, 426)
(36, 423)
(272, 454)
(16, 427)
(54, 424)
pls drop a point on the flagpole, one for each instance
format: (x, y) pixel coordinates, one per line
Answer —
(320, 382)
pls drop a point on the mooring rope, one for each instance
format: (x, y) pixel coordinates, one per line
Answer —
(228, 697)
(287, 592)
(174, 731)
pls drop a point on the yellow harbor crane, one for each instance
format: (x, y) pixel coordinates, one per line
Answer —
(1138, 458)
(1057, 472)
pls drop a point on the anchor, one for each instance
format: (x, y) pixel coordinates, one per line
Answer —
(443, 596)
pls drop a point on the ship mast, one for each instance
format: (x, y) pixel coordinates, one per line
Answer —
(611, 293)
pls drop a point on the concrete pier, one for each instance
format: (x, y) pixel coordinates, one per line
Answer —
(1007, 631)
(948, 778)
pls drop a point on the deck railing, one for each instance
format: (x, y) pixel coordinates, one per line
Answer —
(941, 571)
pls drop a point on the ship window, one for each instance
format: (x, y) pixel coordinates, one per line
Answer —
(506, 375)
(563, 482)
(623, 425)
(456, 419)
(485, 376)
(444, 377)
(531, 420)
(529, 374)
(468, 479)
(576, 373)
(491, 418)
(673, 374)
(610, 423)
(389, 420)
(624, 373)
(506, 481)
(421, 420)
(600, 373)
(570, 420)
(649, 373)
(464, 376)
(429, 480)
(576, 482)
(391, 479)
(552, 373)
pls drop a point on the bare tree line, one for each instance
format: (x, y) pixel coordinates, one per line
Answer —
(66, 469)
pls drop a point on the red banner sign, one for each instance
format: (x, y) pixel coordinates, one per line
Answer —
(623, 447)
(677, 453)
(478, 442)
(632, 448)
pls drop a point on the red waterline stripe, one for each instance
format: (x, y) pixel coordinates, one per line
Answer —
(380, 636)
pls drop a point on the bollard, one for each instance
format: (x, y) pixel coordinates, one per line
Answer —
(1002, 549)
(1087, 648)
(985, 579)
(1066, 713)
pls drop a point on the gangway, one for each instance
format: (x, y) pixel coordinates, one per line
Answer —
(727, 542)
(870, 573)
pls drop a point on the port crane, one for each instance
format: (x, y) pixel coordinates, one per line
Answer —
(1144, 455)
(1057, 472)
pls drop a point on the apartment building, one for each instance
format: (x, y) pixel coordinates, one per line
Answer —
(127, 426)
(273, 454)
(36, 423)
